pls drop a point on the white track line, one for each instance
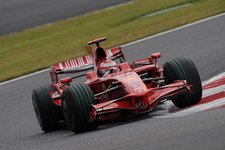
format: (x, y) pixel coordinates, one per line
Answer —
(128, 44)
(23, 77)
(168, 10)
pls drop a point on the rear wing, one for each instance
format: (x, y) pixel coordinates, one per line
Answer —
(81, 64)
(74, 65)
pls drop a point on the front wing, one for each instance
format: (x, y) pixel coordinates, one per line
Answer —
(139, 103)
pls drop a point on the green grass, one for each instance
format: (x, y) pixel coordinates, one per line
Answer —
(34, 49)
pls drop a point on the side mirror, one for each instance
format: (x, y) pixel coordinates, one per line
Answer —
(156, 55)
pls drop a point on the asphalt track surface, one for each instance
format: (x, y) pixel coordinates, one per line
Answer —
(16, 15)
(202, 42)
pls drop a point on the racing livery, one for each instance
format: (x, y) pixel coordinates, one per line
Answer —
(113, 88)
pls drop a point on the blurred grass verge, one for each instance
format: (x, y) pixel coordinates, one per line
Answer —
(38, 48)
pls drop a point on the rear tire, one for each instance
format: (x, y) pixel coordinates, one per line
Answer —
(184, 69)
(47, 113)
(77, 100)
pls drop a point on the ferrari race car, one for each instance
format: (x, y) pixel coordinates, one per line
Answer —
(113, 88)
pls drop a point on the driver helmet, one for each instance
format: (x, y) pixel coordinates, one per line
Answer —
(107, 66)
(100, 54)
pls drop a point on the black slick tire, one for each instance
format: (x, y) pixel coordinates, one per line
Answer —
(77, 100)
(48, 114)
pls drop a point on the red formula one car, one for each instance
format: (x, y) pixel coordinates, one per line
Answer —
(112, 88)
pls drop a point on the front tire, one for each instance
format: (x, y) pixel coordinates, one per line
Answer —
(77, 100)
(184, 69)
(47, 113)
